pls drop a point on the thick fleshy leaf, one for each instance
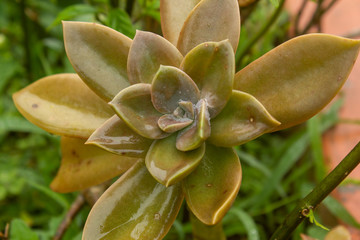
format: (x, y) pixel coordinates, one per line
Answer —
(211, 20)
(169, 165)
(188, 107)
(173, 15)
(193, 136)
(62, 104)
(170, 123)
(147, 53)
(116, 137)
(211, 66)
(99, 55)
(170, 86)
(83, 166)
(243, 119)
(134, 106)
(135, 207)
(297, 79)
(212, 187)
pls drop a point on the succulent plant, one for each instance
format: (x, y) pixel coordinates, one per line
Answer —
(176, 108)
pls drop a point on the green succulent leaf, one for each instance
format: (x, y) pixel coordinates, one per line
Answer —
(213, 186)
(99, 55)
(188, 107)
(169, 165)
(211, 66)
(83, 166)
(192, 137)
(173, 16)
(62, 104)
(170, 123)
(244, 118)
(116, 137)
(134, 106)
(297, 79)
(211, 20)
(135, 207)
(147, 53)
(170, 86)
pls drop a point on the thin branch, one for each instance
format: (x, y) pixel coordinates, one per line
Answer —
(315, 19)
(327, 8)
(245, 12)
(26, 40)
(313, 199)
(129, 7)
(298, 16)
(70, 215)
(258, 35)
(5, 235)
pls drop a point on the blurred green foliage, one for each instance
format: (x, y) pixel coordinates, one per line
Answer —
(278, 169)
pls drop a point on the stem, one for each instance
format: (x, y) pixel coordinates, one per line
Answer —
(74, 209)
(313, 199)
(258, 35)
(245, 12)
(315, 19)
(26, 40)
(298, 16)
(129, 6)
(330, 5)
(202, 231)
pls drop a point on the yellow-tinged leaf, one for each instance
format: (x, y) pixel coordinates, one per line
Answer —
(244, 118)
(173, 15)
(211, 20)
(83, 166)
(147, 53)
(135, 207)
(213, 186)
(297, 79)
(62, 104)
(99, 55)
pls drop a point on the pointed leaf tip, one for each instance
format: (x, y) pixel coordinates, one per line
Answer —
(213, 186)
(297, 79)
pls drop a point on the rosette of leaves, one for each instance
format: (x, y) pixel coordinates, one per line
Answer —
(176, 108)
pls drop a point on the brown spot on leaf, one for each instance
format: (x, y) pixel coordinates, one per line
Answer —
(74, 153)
(34, 105)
